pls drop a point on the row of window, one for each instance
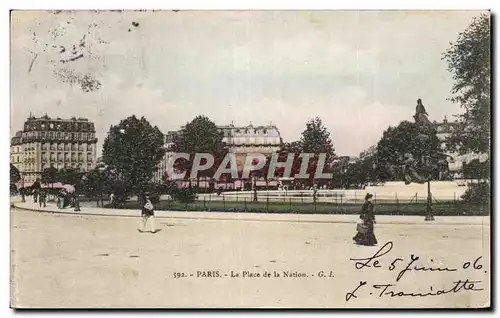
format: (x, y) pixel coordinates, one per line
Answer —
(31, 167)
(53, 159)
(66, 155)
(67, 165)
(250, 131)
(28, 161)
(53, 146)
(252, 140)
(52, 155)
(61, 146)
(59, 135)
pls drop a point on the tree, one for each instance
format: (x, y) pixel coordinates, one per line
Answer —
(201, 135)
(132, 151)
(15, 176)
(479, 193)
(469, 59)
(69, 176)
(292, 147)
(476, 169)
(98, 181)
(316, 139)
(49, 175)
(361, 171)
(91, 184)
(408, 152)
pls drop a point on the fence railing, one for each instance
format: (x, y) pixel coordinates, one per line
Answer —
(266, 203)
(326, 196)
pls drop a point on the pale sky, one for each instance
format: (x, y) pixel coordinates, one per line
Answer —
(359, 71)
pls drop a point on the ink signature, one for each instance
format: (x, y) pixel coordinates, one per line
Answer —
(386, 289)
(403, 266)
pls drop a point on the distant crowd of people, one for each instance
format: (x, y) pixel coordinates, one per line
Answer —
(40, 195)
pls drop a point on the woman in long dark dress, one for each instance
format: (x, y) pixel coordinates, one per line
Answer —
(368, 217)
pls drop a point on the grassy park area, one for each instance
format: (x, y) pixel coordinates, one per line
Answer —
(452, 208)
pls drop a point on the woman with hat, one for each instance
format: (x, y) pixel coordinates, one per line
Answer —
(367, 235)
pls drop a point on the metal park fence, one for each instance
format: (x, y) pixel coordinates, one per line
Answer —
(326, 202)
(337, 197)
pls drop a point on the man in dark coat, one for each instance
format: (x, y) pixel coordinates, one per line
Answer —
(36, 189)
(42, 198)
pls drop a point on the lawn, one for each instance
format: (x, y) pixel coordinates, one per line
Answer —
(439, 208)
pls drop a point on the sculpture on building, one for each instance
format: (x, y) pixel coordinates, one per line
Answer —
(421, 115)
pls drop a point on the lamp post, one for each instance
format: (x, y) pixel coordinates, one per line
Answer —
(429, 216)
(100, 180)
(429, 213)
(23, 199)
(254, 188)
(77, 199)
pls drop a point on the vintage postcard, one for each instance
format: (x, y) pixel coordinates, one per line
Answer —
(250, 159)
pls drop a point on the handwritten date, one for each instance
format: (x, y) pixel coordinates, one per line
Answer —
(411, 264)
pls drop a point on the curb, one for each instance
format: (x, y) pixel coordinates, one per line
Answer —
(241, 219)
(180, 217)
(68, 212)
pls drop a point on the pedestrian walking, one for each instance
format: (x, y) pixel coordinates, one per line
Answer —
(36, 189)
(365, 229)
(147, 214)
(112, 200)
(42, 198)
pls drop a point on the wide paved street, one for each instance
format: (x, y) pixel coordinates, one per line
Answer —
(63, 260)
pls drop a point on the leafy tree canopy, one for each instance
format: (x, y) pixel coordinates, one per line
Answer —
(361, 171)
(69, 176)
(407, 145)
(49, 175)
(200, 135)
(15, 176)
(133, 150)
(316, 139)
(469, 59)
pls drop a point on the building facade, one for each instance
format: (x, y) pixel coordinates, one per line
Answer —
(251, 139)
(46, 142)
(240, 140)
(456, 161)
(244, 140)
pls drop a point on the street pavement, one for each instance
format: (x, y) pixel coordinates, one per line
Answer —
(92, 259)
